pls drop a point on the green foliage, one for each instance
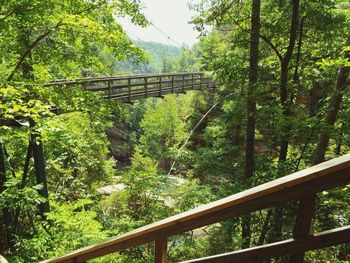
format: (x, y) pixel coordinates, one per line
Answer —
(164, 128)
(15, 198)
(15, 101)
(70, 227)
(77, 155)
(45, 40)
(150, 196)
(63, 36)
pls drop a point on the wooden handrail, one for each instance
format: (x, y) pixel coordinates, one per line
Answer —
(126, 88)
(324, 239)
(298, 185)
(109, 78)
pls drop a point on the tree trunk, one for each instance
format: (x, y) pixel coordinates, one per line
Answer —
(339, 87)
(322, 145)
(286, 110)
(251, 110)
(284, 80)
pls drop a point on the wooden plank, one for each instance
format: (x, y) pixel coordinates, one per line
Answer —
(161, 250)
(295, 186)
(303, 224)
(321, 240)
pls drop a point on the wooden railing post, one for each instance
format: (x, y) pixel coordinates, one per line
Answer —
(160, 86)
(161, 250)
(129, 89)
(303, 224)
(146, 87)
(192, 81)
(109, 90)
(172, 84)
(201, 81)
(183, 83)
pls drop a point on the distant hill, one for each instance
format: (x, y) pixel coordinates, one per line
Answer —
(158, 53)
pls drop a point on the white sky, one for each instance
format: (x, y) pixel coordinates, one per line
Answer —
(170, 16)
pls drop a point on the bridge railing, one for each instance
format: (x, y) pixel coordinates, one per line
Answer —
(302, 186)
(127, 88)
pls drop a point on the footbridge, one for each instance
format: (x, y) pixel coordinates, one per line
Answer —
(117, 88)
(133, 87)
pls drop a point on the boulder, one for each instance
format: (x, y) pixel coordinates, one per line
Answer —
(3, 260)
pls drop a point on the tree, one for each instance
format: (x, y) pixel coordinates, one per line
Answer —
(251, 108)
(334, 107)
(41, 41)
(295, 36)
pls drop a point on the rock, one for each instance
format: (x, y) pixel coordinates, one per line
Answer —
(109, 189)
(3, 260)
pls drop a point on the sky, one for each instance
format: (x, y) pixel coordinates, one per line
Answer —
(169, 16)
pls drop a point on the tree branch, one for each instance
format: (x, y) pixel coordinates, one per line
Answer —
(6, 15)
(42, 37)
(92, 6)
(266, 40)
(28, 51)
(272, 46)
(293, 31)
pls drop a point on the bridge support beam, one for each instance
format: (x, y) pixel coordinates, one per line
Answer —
(5, 213)
(2, 167)
(40, 171)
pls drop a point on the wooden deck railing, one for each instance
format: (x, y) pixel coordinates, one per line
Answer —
(303, 185)
(128, 88)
